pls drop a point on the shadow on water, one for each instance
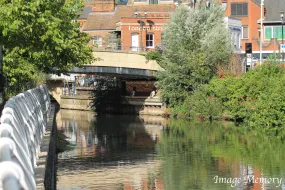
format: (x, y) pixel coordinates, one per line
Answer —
(107, 95)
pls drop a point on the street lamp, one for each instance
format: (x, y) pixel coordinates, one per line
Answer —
(282, 23)
(261, 30)
(140, 15)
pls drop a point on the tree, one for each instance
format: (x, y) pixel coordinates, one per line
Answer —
(41, 36)
(196, 41)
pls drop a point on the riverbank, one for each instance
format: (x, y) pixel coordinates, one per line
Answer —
(255, 98)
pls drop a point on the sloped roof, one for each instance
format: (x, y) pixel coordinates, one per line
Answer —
(108, 20)
(257, 2)
(86, 11)
(272, 9)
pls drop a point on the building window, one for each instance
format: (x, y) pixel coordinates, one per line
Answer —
(268, 33)
(273, 32)
(277, 32)
(149, 40)
(88, 0)
(245, 32)
(153, 1)
(97, 40)
(239, 9)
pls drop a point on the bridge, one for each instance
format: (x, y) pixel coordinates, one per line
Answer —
(127, 65)
(131, 67)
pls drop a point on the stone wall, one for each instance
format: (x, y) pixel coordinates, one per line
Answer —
(79, 102)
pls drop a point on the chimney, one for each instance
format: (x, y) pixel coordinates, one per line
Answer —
(104, 6)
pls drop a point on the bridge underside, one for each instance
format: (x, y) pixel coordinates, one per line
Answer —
(119, 72)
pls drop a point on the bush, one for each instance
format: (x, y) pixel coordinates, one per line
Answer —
(200, 105)
(255, 98)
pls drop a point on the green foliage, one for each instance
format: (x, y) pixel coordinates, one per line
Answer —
(40, 36)
(199, 106)
(195, 43)
(153, 56)
(256, 97)
(113, 40)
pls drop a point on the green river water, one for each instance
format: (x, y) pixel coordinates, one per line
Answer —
(151, 153)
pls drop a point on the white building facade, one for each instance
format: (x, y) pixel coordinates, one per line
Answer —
(234, 25)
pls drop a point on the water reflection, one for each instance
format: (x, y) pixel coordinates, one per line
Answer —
(110, 152)
(212, 156)
(126, 152)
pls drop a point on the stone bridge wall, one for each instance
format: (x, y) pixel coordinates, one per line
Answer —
(126, 60)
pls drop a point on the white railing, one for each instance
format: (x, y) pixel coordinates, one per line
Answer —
(23, 122)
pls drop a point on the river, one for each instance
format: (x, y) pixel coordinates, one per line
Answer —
(138, 153)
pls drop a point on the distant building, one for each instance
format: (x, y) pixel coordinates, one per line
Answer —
(150, 2)
(122, 28)
(114, 24)
(100, 5)
(248, 11)
(272, 35)
(143, 36)
(235, 28)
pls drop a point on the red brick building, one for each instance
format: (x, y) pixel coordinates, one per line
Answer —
(248, 11)
(100, 5)
(127, 27)
(143, 33)
(117, 26)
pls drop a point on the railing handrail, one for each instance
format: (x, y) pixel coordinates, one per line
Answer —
(124, 49)
(23, 123)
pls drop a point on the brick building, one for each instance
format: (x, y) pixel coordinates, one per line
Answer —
(127, 26)
(143, 33)
(248, 11)
(117, 26)
(272, 37)
(100, 5)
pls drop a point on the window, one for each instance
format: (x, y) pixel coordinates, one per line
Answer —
(245, 32)
(239, 9)
(153, 1)
(88, 0)
(273, 32)
(277, 32)
(268, 33)
(149, 40)
(97, 40)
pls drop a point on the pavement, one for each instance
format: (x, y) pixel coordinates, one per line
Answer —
(41, 162)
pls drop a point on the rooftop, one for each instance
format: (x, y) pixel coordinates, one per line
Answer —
(108, 20)
(272, 9)
(86, 11)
